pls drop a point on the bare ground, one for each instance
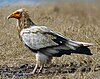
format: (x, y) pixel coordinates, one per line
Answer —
(25, 70)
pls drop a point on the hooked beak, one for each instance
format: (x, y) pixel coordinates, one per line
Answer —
(10, 16)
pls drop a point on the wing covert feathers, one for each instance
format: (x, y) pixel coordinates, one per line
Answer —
(52, 43)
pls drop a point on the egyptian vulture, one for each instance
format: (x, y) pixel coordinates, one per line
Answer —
(44, 42)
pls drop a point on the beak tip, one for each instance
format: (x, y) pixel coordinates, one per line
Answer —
(8, 17)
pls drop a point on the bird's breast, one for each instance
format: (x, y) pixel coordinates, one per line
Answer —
(41, 58)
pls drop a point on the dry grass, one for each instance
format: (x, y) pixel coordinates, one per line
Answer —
(77, 21)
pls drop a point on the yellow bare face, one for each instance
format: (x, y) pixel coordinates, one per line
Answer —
(16, 14)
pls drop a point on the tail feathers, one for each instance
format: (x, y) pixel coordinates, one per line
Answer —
(83, 50)
(80, 50)
(75, 47)
(85, 44)
(79, 47)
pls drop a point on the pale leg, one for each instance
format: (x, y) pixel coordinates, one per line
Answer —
(34, 69)
(40, 69)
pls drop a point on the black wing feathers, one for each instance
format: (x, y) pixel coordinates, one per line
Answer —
(66, 46)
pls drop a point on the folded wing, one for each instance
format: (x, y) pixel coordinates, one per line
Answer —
(51, 43)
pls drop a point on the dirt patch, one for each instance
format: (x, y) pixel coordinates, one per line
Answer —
(24, 70)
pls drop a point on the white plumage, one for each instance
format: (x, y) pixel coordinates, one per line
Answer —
(35, 37)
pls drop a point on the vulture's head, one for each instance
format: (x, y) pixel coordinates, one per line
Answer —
(18, 14)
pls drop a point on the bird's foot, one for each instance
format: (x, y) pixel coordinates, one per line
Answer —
(40, 70)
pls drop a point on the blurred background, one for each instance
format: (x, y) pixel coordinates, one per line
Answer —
(11, 2)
